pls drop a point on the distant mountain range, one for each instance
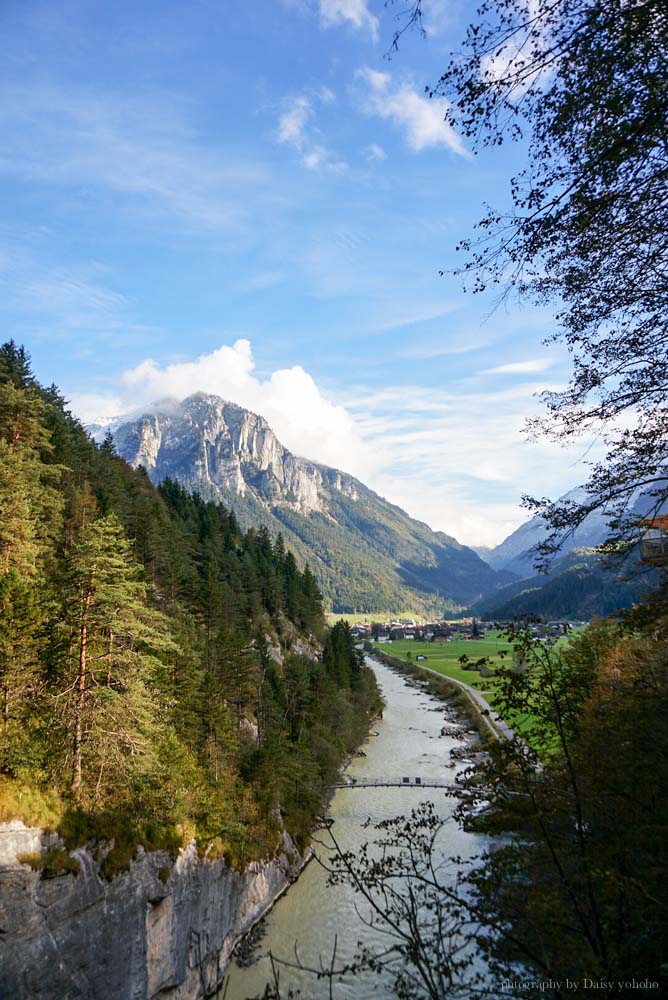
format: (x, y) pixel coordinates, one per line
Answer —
(515, 553)
(579, 583)
(367, 554)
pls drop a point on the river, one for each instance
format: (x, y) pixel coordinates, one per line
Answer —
(407, 742)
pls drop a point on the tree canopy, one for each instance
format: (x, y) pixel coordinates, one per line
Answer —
(583, 84)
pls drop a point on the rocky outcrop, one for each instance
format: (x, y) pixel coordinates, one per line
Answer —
(224, 446)
(163, 929)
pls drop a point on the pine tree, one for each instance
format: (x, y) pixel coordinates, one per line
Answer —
(116, 639)
(30, 507)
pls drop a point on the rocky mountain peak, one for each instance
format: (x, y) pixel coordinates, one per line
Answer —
(221, 448)
(365, 552)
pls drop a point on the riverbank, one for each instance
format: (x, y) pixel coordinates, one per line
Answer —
(420, 737)
(470, 702)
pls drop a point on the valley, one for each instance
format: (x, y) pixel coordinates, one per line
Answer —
(366, 553)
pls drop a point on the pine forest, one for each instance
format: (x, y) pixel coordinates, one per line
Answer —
(164, 675)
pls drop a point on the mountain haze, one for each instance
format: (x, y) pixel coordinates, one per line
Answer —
(367, 554)
(579, 585)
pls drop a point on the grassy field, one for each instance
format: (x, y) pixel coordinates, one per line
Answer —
(444, 656)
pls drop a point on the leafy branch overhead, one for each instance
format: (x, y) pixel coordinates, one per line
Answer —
(583, 84)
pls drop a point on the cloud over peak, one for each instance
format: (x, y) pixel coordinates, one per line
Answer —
(303, 419)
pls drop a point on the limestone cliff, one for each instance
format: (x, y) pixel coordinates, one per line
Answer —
(218, 444)
(162, 929)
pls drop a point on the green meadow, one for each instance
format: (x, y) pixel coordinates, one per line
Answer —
(444, 657)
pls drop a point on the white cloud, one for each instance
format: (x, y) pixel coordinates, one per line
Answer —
(292, 123)
(375, 152)
(533, 367)
(304, 420)
(355, 12)
(319, 157)
(511, 64)
(297, 128)
(452, 456)
(421, 119)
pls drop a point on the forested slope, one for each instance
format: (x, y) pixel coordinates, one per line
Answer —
(580, 585)
(158, 670)
(367, 554)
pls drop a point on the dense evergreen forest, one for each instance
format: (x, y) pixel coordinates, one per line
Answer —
(163, 675)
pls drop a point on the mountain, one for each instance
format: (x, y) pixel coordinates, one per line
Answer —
(366, 553)
(579, 585)
(514, 554)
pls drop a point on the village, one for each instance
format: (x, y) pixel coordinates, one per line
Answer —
(445, 631)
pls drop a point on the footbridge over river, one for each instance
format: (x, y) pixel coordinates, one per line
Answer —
(396, 783)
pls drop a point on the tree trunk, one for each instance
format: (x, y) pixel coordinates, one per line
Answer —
(80, 695)
(110, 653)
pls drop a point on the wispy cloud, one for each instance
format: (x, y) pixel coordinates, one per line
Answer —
(141, 147)
(533, 367)
(402, 315)
(374, 152)
(297, 127)
(64, 300)
(420, 119)
(455, 345)
(354, 12)
(456, 456)
(293, 121)
(263, 279)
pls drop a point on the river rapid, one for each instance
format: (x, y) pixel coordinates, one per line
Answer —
(407, 741)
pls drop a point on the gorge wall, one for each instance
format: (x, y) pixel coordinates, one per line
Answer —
(162, 929)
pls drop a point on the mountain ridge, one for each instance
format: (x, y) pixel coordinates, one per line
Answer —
(367, 553)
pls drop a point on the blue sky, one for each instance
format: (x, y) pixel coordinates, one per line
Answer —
(252, 200)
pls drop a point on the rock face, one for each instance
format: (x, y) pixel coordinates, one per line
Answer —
(229, 449)
(366, 553)
(76, 937)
